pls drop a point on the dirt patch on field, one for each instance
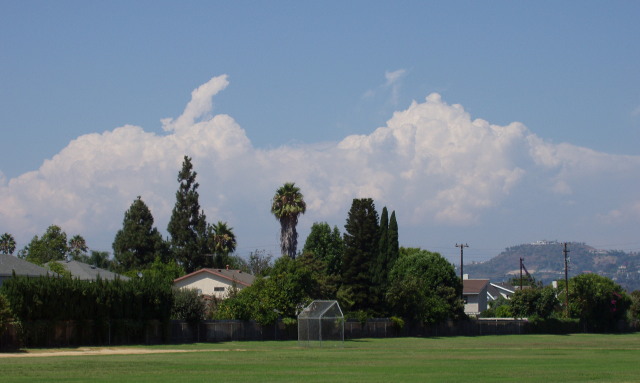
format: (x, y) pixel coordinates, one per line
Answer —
(97, 351)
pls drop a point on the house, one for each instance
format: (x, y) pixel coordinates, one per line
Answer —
(10, 265)
(497, 290)
(474, 293)
(215, 282)
(88, 272)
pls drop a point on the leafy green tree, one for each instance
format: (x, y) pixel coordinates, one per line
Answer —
(287, 205)
(423, 286)
(138, 243)
(52, 246)
(7, 244)
(325, 285)
(360, 253)
(634, 309)
(540, 302)
(260, 263)
(283, 294)
(100, 259)
(597, 301)
(222, 241)
(325, 244)
(78, 248)
(188, 225)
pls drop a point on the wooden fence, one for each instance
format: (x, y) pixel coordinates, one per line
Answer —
(73, 333)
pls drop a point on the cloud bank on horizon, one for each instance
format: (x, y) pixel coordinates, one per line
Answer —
(432, 163)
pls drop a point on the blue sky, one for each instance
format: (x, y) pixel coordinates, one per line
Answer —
(297, 81)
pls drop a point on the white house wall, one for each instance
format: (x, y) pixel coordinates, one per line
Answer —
(206, 283)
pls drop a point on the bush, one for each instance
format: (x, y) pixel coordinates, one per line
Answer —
(6, 316)
(188, 306)
(553, 325)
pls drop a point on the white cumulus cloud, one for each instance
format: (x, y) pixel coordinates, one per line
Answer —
(431, 162)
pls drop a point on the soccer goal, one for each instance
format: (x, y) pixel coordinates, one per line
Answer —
(321, 324)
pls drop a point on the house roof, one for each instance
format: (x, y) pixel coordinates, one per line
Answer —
(9, 264)
(474, 286)
(89, 272)
(237, 276)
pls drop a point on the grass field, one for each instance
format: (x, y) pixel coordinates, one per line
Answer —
(518, 358)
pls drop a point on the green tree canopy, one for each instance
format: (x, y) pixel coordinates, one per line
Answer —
(138, 243)
(597, 301)
(287, 205)
(282, 294)
(325, 244)
(540, 302)
(52, 246)
(188, 225)
(360, 253)
(423, 286)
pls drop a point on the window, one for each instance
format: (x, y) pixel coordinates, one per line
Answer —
(218, 289)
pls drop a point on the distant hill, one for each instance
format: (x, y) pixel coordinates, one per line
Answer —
(545, 261)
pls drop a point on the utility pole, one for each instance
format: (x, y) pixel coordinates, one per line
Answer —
(566, 281)
(520, 273)
(461, 246)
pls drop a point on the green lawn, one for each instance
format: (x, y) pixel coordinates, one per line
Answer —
(521, 358)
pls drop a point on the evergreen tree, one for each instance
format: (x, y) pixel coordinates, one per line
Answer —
(326, 245)
(360, 251)
(188, 225)
(394, 244)
(138, 243)
(380, 266)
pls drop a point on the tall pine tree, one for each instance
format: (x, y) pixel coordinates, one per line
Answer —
(360, 252)
(188, 225)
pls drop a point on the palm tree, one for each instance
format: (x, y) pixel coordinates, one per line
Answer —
(222, 241)
(288, 204)
(7, 244)
(78, 248)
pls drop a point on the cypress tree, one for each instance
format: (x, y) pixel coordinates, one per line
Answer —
(394, 244)
(188, 225)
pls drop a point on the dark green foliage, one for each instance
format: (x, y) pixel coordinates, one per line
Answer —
(324, 284)
(188, 306)
(100, 259)
(394, 244)
(282, 294)
(51, 247)
(360, 252)
(499, 308)
(6, 316)
(7, 244)
(424, 287)
(380, 273)
(633, 313)
(326, 245)
(188, 226)
(287, 205)
(138, 243)
(597, 301)
(53, 299)
(539, 302)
